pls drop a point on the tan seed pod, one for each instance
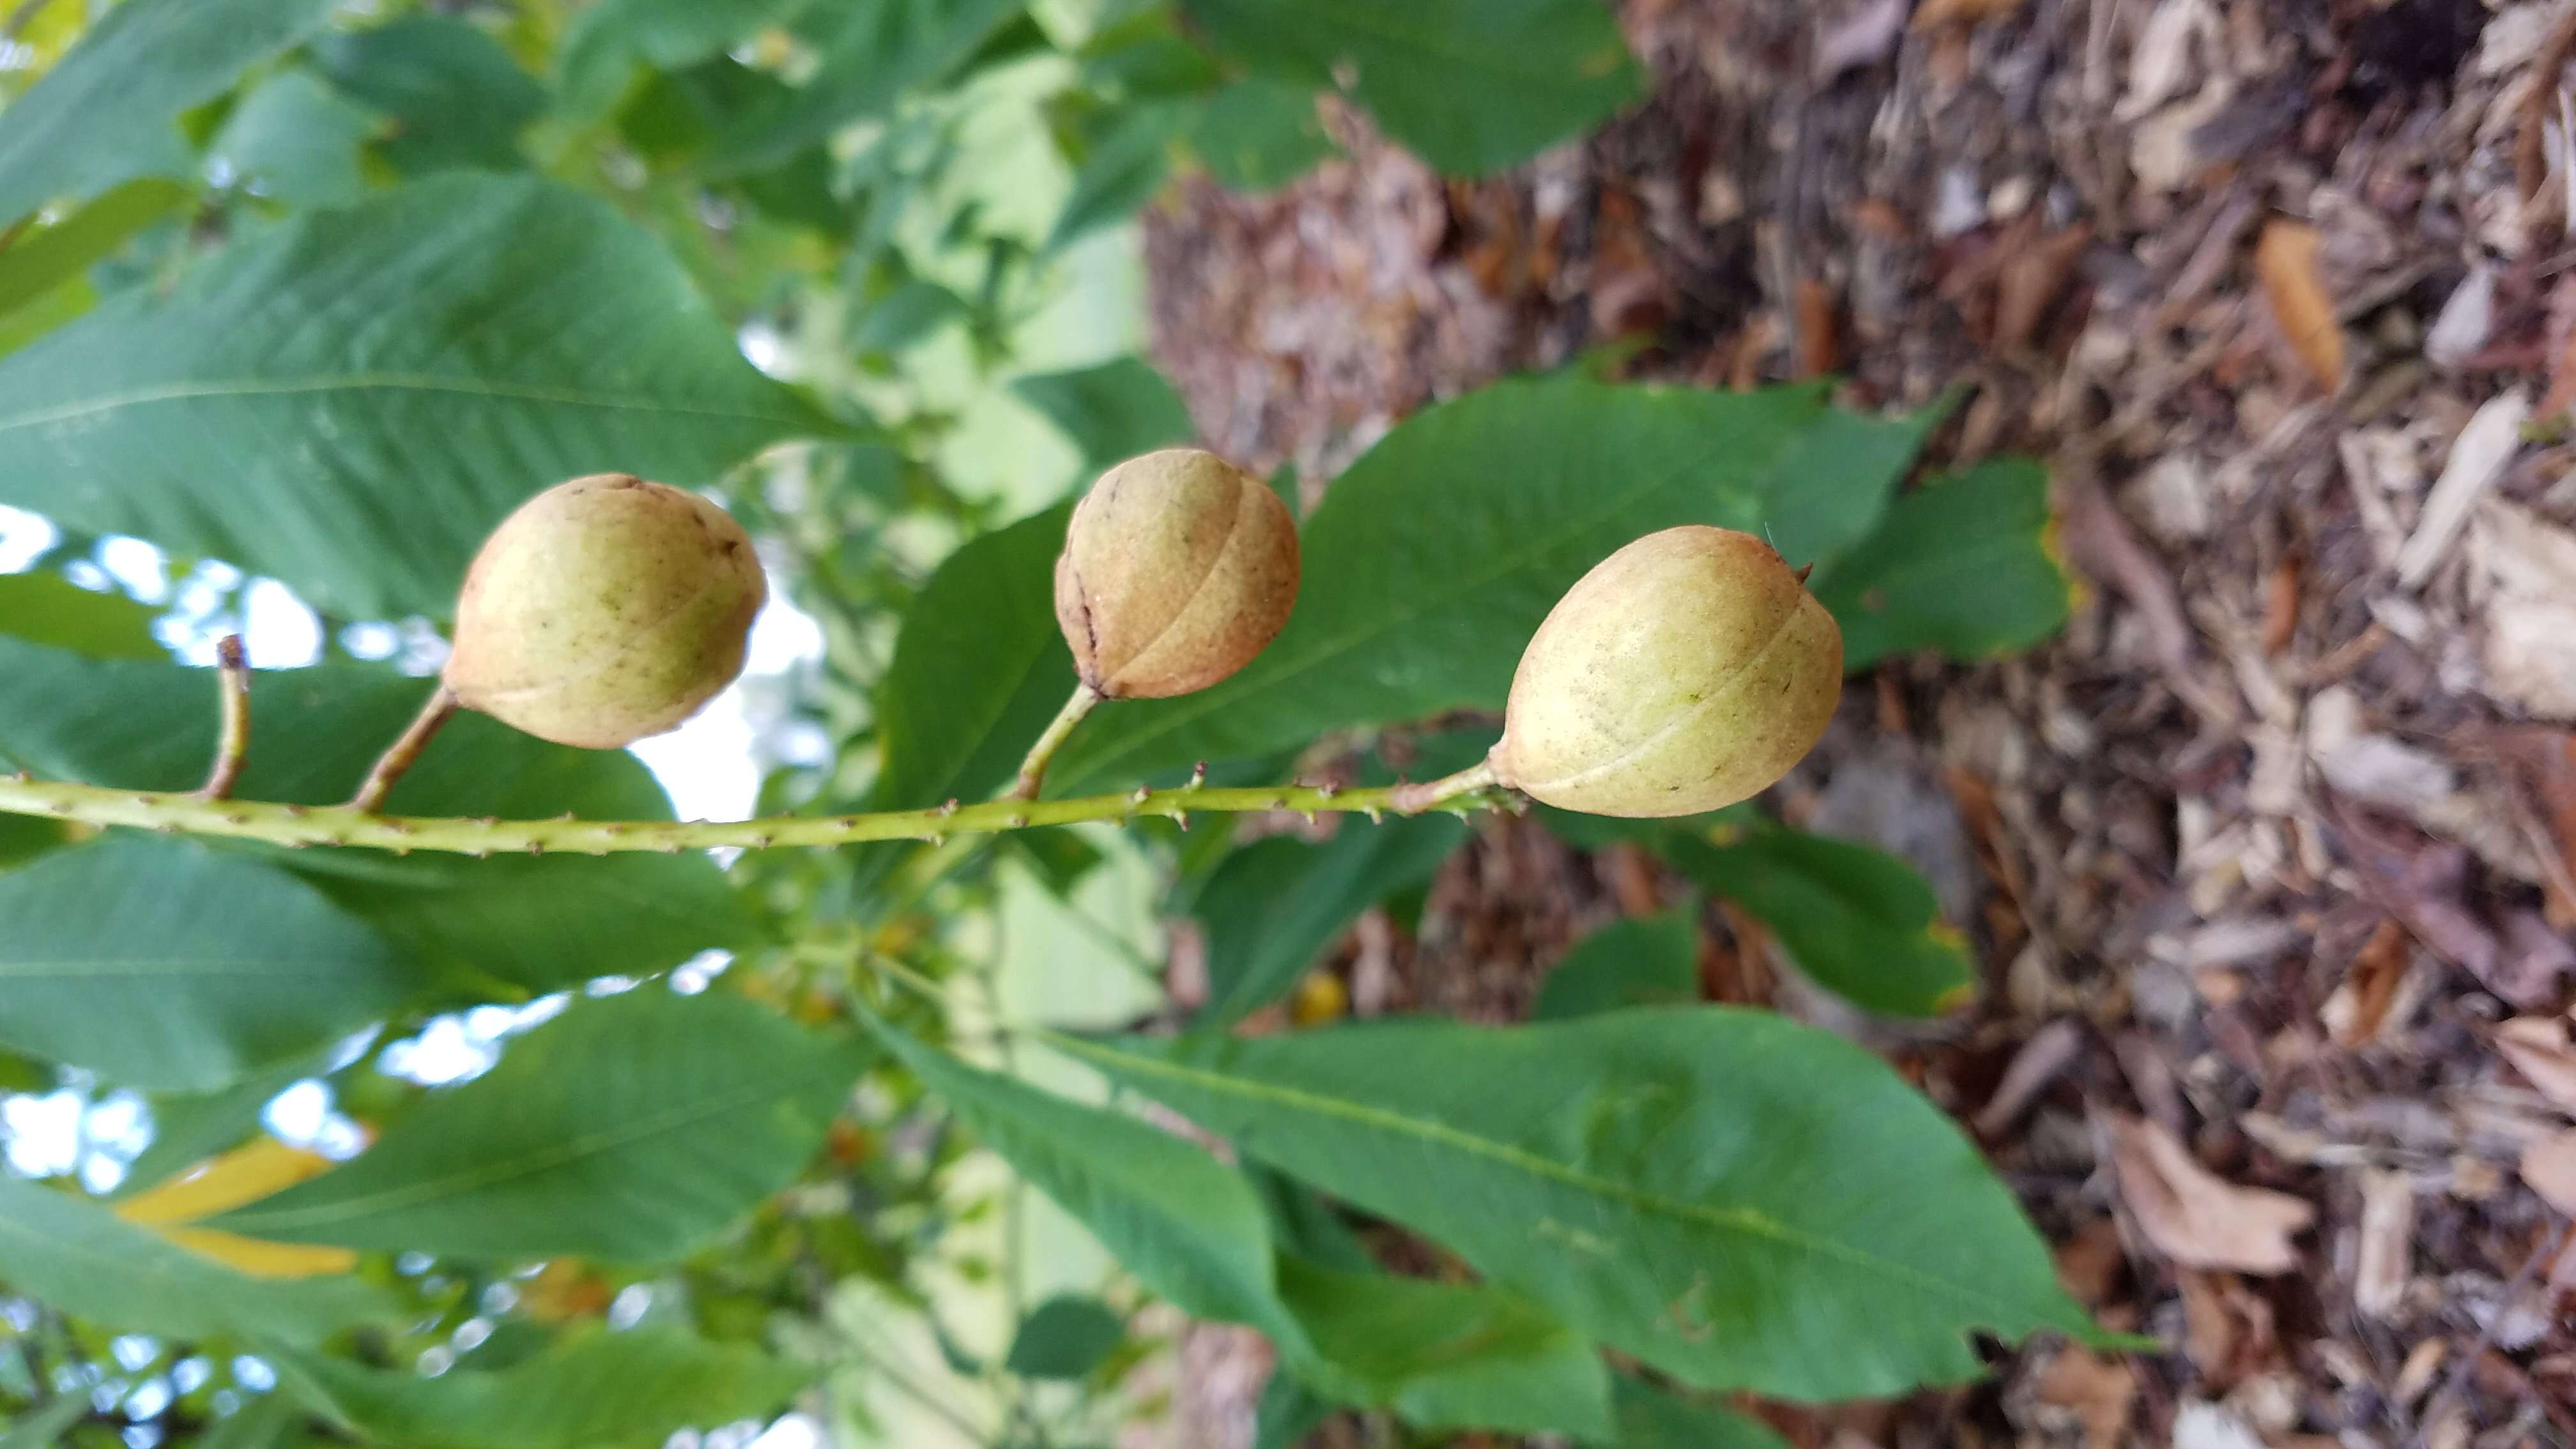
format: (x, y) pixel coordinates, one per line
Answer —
(604, 610)
(1687, 671)
(1178, 568)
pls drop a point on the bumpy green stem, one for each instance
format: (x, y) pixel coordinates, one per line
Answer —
(304, 825)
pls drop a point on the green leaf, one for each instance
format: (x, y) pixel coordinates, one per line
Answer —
(954, 733)
(1259, 135)
(377, 386)
(1273, 905)
(1652, 1418)
(109, 112)
(599, 1391)
(538, 924)
(908, 314)
(1733, 1198)
(186, 1130)
(40, 261)
(75, 1256)
(1858, 920)
(1065, 1337)
(1433, 559)
(609, 40)
(295, 140)
(43, 607)
(456, 97)
(1451, 1355)
(1187, 1226)
(631, 1128)
(268, 1421)
(1472, 86)
(24, 837)
(165, 965)
(1965, 565)
(1642, 961)
(875, 52)
(1289, 1411)
(1122, 169)
(44, 1427)
(1112, 412)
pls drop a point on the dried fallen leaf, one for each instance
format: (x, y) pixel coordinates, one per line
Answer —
(2545, 762)
(2227, 1329)
(2538, 1047)
(2193, 1217)
(2286, 259)
(2359, 1007)
(2099, 1394)
(2549, 1166)
(244, 1175)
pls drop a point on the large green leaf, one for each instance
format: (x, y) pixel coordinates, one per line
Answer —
(164, 965)
(600, 1391)
(75, 1256)
(1258, 134)
(1432, 561)
(1122, 167)
(1643, 961)
(1858, 920)
(1271, 906)
(537, 924)
(351, 400)
(1738, 1200)
(1966, 565)
(455, 96)
(873, 52)
(1450, 1355)
(1471, 85)
(630, 1128)
(955, 732)
(1112, 411)
(1065, 1337)
(109, 111)
(43, 1427)
(43, 607)
(1650, 1418)
(1186, 1225)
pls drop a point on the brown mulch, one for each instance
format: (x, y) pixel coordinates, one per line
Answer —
(2264, 853)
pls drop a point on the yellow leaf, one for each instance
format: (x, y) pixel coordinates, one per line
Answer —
(2286, 259)
(244, 1175)
(260, 1258)
(219, 1184)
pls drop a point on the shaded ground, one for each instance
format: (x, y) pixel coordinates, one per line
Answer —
(2265, 853)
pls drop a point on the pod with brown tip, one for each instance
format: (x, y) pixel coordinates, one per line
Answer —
(1687, 671)
(1178, 568)
(604, 610)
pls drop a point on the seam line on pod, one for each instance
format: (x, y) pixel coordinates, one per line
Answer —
(1722, 693)
(1216, 560)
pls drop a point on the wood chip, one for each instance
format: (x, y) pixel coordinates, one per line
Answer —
(1962, 12)
(2386, 1258)
(2285, 257)
(2195, 1218)
(2539, 1048)
(2099, 1394)
(2530, 646)
(2549, 1166)
(2485, 448)
(2358, 1009)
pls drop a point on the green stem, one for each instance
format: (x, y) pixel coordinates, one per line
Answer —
(1033, 769)
(353, 826)
(403, 753)
(232, 747)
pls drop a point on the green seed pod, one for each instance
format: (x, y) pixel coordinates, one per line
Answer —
(1687, 671)
(1178, 568)
(604, 610)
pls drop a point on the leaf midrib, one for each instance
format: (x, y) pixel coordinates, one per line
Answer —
(549, 1159)
(1746, 1221)
(387, 382)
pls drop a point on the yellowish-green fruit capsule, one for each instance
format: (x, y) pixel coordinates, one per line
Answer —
(1687, 671)
(1178, 568)
(604, 610)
